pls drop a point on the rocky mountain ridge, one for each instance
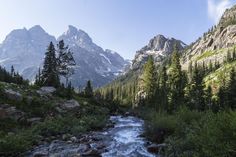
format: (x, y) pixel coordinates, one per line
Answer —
(24, 49)
(159, 47)
(215, 43)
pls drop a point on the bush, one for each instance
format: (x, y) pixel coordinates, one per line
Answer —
(15, 144)
(160, 126)
(211, 135)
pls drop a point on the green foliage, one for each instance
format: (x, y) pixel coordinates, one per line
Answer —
(194, 133)
(12, 77)
(149, 80)
(16, 144)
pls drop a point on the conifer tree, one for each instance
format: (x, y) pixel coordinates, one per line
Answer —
(65, 61)
(50, 74)
(88, 91)
(176, 83)
(149, 80)
(208, 97)
(69, 91)
(195, 94)
(12, 71)
(163, 89)
(231, 90)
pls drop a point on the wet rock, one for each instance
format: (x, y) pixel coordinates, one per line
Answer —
(13, 95)
(91, 153)
(66, 137)
(41, 152)
(83, 148)
(74, 139)
(153, 148)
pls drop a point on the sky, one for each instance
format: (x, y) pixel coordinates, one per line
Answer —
(124, 26)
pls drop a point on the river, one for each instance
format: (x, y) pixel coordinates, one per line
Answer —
(121, 140)
(125, 138)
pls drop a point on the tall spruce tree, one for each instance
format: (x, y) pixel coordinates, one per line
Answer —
(163, 90)
(49, 73)
(231, 90)
(149, 80)
(176, 82)
(88, 91)
(195, 93)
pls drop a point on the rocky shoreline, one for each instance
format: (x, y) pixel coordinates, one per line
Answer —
(92, 144)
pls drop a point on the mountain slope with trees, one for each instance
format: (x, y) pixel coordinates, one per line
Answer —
(188, 100)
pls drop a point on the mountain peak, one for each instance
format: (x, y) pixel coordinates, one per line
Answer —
(72, 30)
(159, 47)
(36, 28)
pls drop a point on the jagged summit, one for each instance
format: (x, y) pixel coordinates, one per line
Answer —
(159, 47)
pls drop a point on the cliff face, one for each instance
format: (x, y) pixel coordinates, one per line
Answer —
(214, 44)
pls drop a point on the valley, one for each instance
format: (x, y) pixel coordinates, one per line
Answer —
(66, 96)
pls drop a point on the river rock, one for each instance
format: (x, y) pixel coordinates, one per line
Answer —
(74, 139)
(153, 148)
(91, 153)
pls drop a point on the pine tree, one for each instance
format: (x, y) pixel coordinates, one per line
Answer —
(88, 91)
(50, 74)
(149, 80)
(195, 93)
(176, 83)
(231, 90)
(12, 71)
(65, 61)
(210, 66)
(228, 56)
(208, 97)
(234, 54)
(163, 89)
(69, 89)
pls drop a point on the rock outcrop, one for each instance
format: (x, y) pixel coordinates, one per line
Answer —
(159, 47)
(214, 44)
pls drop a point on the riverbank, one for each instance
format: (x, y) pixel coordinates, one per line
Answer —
(191, 133)
(32, 116)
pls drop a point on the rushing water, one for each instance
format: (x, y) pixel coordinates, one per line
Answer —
(125, 140)
(122, 140)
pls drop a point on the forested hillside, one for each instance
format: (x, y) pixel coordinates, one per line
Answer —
(188, 100)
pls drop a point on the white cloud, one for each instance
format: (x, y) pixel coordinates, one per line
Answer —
(216, 8)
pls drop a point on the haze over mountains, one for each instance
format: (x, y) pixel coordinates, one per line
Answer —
(25, 49)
